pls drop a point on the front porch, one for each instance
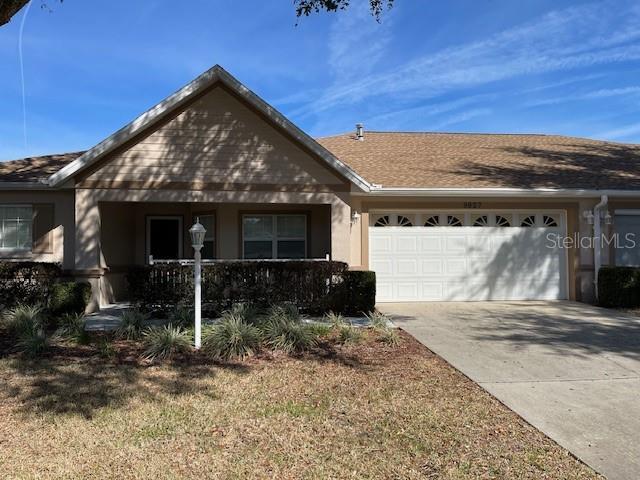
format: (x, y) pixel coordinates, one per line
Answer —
(137, 233)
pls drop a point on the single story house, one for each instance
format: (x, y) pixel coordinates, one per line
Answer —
(437, 216)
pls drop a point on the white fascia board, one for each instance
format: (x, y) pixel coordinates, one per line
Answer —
(208, 78)
(496, 192)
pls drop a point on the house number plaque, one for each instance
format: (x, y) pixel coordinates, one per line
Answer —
(472, 204)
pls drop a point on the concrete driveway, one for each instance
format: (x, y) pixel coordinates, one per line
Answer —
(569, 369)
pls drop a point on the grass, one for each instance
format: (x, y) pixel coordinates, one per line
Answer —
(358, 411)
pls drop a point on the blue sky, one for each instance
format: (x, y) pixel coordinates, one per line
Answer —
(568, 67)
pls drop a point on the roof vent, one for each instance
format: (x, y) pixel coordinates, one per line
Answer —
(360, 131)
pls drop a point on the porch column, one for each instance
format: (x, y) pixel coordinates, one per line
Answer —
(340, 231)
(87, 243)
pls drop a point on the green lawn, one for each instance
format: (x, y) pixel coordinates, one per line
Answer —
(364, 411)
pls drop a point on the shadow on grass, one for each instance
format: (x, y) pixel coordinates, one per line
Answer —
(75, 380)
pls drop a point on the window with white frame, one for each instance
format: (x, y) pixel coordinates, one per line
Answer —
(627, 228)
(15, 227)
(209, 244)
(274, 236)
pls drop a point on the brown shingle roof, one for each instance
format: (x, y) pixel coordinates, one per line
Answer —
(34, 169)
(448, 160)
(459, 160)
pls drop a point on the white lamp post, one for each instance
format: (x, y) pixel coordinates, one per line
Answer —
(197, 232)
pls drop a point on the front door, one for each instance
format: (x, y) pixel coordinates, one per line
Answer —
(164, 237)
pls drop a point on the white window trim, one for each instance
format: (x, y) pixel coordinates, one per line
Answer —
(23, 250)
(180, 234)
(275, 238)
(623, 212)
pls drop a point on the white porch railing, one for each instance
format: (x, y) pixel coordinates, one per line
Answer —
(190, 261)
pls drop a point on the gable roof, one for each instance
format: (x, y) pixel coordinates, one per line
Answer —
(179, 99)
(462, 160)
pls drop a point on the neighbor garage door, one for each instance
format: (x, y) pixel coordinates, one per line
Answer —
(458, 256)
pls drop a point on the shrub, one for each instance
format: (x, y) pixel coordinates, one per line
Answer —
(69, 297)
(32, 342)
(106, 349)
(619, 287)
(348, 334)
(308, 284)
(24, 319)
(72, 325)
(27, 282)
(131, 325)
(378, 321)
(246, 311)
(231, 338)
(288, 335)
(335, 319)
(356, 294)
(164, 342)
(320, 330)
(390, 337)
(182, 316)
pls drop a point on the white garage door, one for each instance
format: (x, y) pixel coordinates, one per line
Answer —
(458, 256)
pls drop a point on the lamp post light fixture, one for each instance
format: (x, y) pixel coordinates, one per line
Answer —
(197, 232)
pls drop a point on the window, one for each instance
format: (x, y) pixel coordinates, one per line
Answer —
(382, 221)
(209, 244)
(529, 221)
(502, 221)
(15, 228)
(549, 221)
(627, 228)
(432, 221)
(481, 221)
(404, 221)
(274, 236)
(453, 221)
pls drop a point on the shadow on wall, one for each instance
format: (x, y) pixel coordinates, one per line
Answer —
(591, 166)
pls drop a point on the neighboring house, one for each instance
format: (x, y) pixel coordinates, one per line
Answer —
(437, 216)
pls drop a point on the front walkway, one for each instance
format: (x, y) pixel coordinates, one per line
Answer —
(571, 370)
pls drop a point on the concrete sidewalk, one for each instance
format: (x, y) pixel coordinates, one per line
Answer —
(571, 370)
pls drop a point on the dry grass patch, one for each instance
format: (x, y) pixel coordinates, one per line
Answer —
(368, 410)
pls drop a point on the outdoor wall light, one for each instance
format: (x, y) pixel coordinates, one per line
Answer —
(588, 215)
(355, 216)
(197, 232)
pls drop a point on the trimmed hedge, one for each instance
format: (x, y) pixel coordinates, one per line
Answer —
(314, 286)
(619, 287)
(27, 283)
(69, 297)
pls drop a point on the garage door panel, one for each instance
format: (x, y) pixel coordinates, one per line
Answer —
(432, 266)
(466, 263)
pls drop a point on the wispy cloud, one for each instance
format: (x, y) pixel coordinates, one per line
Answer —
(620, 133)
(561, 40)
(461, 117)
(592, 95)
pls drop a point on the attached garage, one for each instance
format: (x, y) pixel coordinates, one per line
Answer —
(466, 256)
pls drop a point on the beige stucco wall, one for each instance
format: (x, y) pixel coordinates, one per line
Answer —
(62, 233)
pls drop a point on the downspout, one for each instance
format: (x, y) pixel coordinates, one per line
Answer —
(597, 233)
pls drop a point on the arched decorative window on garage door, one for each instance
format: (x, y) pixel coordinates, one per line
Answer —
(453, 221)
(432, 221)
(404, 221)
(549, 221)
(382, 221)
(528, 221)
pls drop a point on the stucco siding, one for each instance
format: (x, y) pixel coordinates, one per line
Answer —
(216, 140)
(55, 242)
